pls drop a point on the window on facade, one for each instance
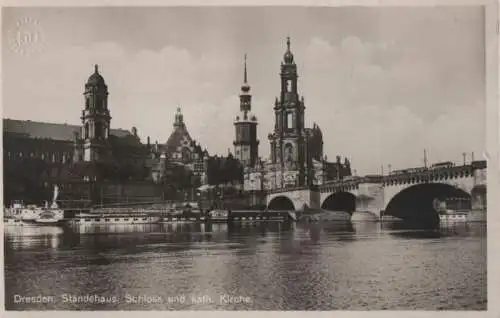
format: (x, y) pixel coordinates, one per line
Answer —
(245, 133)
(186, 154)
(289, 120)
(99, 130)
(289, 152)
(289, 86)
(86, 130)
(87, 103)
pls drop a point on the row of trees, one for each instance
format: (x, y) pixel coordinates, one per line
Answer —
(224, 170)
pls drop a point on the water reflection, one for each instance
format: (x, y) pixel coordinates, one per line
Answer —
(444, 230)
(29, 237)
(303, 266)
(115, 228)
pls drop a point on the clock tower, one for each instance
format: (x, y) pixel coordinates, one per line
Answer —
(246, 144)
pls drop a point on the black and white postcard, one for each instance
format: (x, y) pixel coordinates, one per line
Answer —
(249, 158)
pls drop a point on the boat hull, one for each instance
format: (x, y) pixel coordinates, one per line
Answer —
(20, 222)
(114, 220)
(472, 216)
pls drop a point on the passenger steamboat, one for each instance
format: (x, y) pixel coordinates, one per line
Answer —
(456, 210)
(21, 214)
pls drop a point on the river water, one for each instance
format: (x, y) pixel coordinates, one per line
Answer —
(330, 266)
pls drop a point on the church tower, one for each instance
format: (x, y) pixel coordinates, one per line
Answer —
(289, 139)
(246, 145)
(95, 119)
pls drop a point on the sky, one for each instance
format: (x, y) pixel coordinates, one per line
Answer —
(382, 83)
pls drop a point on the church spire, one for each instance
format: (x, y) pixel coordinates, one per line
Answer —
(245, 73)
(245, 88)
(246, 142)
(288, 57)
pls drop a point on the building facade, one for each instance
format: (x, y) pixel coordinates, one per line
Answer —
(89, 162)
(296, 152)
(180, 151)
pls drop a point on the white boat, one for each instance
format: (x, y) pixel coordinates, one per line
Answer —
(50, 217)
(218, 216)
(452, 216)
(463, 216)
(114, 218)
(20, 214)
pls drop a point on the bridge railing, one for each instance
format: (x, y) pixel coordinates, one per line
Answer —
(280, 190)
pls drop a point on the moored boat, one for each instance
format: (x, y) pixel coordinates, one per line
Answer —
(452, 216)
(218, 216)
(50, 217)
(114, 218)
(20, 214)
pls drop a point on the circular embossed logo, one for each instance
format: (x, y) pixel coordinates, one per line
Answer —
(26, 37)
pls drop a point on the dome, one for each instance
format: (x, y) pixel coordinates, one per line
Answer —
(245, 87)
(288, 57)
(96, 79)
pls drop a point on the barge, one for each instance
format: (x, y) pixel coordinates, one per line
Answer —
(114, 218)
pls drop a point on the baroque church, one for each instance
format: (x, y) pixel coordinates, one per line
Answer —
(296, 152)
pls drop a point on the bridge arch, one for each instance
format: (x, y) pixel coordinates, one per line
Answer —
(281, 203)
(416, 202)
(340, 201)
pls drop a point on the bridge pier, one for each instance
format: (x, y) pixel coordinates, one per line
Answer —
(370, 201)
(371, 196)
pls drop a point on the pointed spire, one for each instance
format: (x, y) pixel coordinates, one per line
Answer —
(245, 88)
(96, 68)
(288, 43)
(245, 73)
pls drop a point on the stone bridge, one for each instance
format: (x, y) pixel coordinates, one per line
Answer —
(390, 194)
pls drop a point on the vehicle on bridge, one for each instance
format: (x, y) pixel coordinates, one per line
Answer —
(441, 165)
(408, 171)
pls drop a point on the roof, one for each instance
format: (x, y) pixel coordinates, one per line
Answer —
(43, 130)
(96, 79)
(180, 132)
